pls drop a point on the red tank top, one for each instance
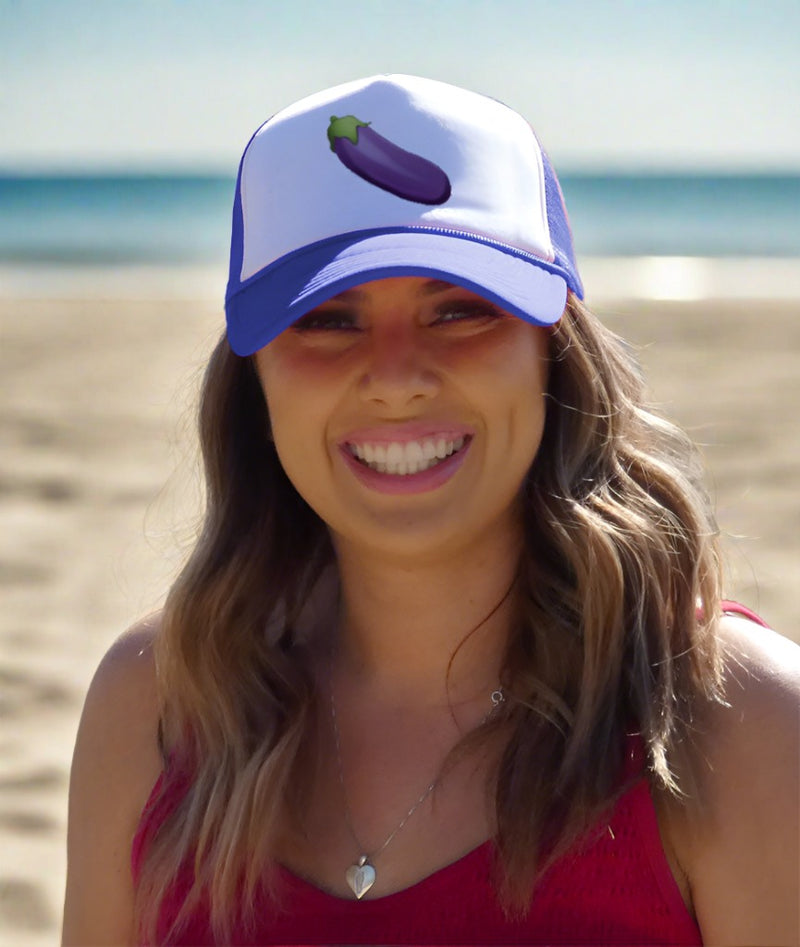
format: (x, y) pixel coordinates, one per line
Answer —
(614, 887)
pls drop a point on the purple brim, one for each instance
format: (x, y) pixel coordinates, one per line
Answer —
(275, 297)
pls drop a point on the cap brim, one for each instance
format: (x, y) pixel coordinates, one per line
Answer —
(273, 299)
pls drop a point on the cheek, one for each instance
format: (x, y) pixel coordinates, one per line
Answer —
(281, 387)
(522, 361)
(523, 383)
(288, 382)
(299, 406)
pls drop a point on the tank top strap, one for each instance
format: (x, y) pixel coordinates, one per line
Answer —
(729, 607)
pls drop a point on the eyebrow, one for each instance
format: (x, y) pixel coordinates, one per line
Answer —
(428, 288)
(436, 286)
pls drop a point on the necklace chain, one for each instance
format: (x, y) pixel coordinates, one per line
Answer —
(361, 875)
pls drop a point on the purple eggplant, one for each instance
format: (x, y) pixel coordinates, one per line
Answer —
(385, 164)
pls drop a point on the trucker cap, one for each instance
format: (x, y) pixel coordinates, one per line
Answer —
(394, 176)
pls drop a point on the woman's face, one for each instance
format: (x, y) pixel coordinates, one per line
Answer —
(407, 412)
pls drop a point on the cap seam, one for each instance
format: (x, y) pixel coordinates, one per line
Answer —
(350, 237)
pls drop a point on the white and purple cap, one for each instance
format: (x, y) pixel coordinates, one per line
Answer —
(394, 176)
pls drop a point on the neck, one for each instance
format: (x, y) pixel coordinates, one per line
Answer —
(434, 632)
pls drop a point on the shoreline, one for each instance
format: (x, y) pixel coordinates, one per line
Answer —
(605, 278)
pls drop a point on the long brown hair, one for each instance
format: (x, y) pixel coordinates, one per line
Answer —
(619, 587)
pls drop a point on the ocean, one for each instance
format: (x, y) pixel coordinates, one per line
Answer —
(185, 219)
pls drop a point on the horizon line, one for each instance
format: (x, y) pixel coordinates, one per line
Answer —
(566, 169)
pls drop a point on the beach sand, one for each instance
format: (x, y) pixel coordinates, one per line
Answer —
(98, 491)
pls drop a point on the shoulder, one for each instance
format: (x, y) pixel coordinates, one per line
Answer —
(115, 764)
(126, 678)
(759, 723)
(118, 732)
(743, 857)
(756, 654)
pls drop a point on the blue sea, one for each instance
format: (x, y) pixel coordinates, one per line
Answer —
(185, 219)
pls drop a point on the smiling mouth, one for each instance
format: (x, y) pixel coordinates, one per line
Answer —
(408, 458)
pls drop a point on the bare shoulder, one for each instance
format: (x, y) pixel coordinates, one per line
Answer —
(126, 677)
(757, 656)
(118, 733)
(115, 764)
(744, 858)
(759, 729)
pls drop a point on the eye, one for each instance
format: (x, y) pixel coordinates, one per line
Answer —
(467, 310)
(326, 320)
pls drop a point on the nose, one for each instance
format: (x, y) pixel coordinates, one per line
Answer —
(398, 369)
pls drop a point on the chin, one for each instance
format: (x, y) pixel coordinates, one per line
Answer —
(417, 538)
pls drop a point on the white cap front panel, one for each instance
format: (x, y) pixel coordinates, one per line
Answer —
(489, 153)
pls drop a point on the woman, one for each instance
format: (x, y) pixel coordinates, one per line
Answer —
(449, 662)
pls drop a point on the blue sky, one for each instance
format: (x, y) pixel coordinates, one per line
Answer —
(88, 84)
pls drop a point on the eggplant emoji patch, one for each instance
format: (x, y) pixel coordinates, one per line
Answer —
(386, 165)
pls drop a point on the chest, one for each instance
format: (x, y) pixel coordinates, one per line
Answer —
(613, 887)
(404, 816)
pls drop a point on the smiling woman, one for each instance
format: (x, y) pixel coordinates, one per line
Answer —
(449, 662)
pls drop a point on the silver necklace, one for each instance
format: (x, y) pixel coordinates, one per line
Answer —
(361, 875)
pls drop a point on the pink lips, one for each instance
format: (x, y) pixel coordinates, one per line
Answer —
(423, 480)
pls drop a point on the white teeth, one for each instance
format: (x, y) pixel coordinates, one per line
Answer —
(395, 453)
(414, 452)
(410, 457)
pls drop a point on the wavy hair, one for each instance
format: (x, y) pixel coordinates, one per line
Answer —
(618, 589)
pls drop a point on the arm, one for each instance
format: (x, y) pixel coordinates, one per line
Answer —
(115, 764)
(742, 856)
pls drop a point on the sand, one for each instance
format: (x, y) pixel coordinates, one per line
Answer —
(98, 490)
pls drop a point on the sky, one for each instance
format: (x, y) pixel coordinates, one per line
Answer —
(91, 85)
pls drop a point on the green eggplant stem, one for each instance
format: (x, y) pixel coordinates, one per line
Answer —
(345, 127)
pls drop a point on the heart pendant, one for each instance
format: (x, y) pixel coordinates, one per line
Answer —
(360, 877)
